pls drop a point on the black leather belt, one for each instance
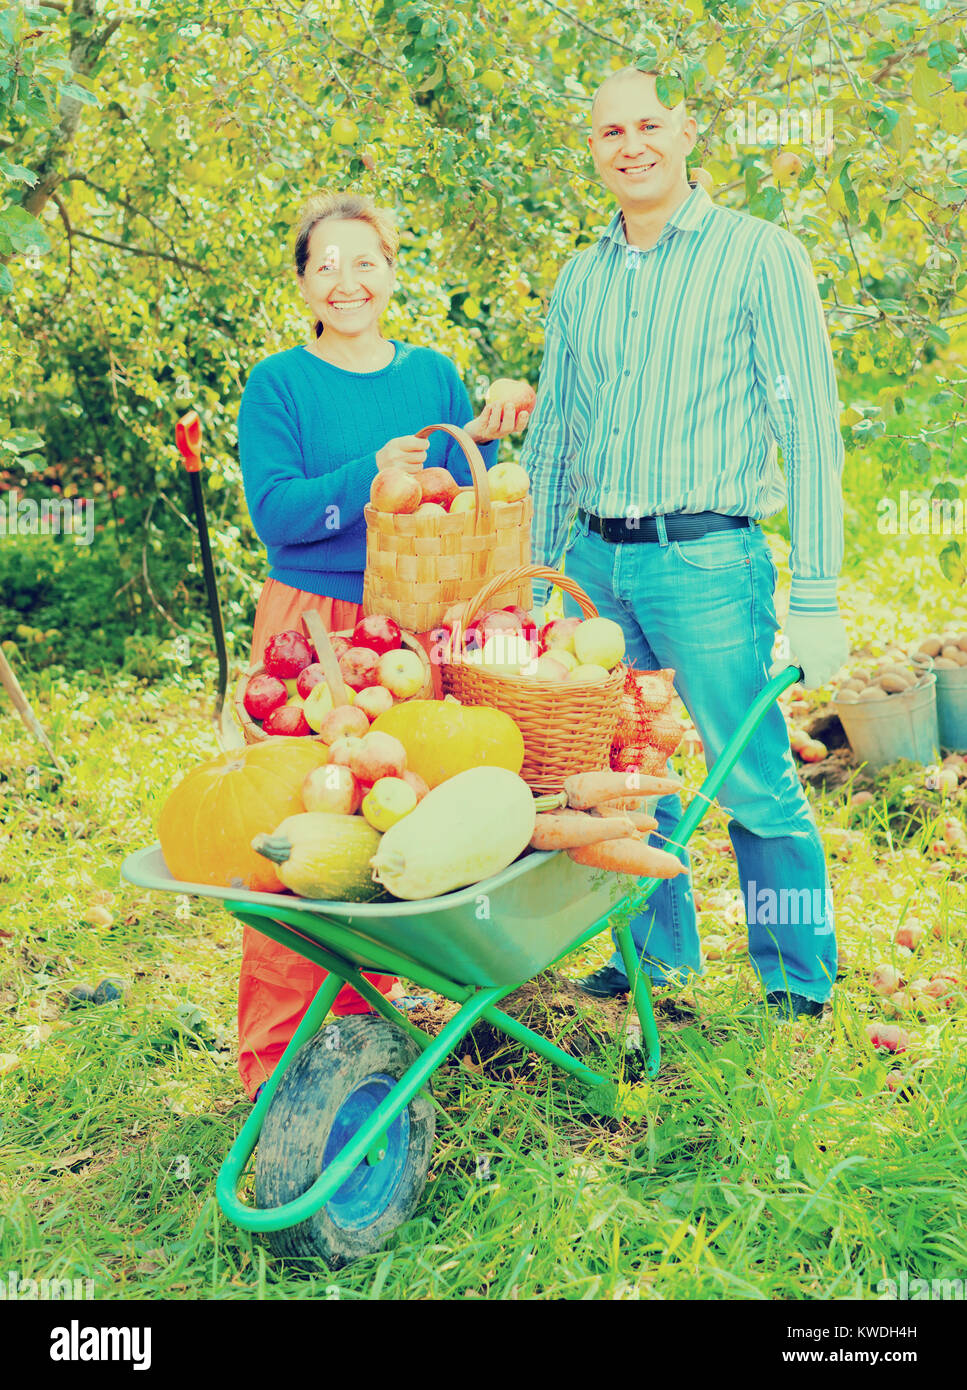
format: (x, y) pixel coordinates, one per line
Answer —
(679, 526)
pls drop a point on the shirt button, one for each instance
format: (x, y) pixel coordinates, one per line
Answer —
(614, 431)
(634, 313)
(627, 373)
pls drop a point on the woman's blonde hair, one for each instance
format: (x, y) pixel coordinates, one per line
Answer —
(351, 207)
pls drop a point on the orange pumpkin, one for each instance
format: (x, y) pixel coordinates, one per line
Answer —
(209, 820)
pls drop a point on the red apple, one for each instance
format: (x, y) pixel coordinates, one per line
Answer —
(359, 667)
(813, 751)
(519, 394)
(430, 509)
(286, 654)
(501, 620)
(263, 694)
(345, 721)
(288, 720)
(342, 751)
(373, 701)
(559, 633)
(377, 633)
(309, 679)
(377, 755)
(393, 490)
(909, 935)
(889, 1036)
(340, 645)
(417, 783)
(332, 788)
(437, 485)
(885, 979)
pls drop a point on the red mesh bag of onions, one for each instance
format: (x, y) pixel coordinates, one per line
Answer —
(647, 733)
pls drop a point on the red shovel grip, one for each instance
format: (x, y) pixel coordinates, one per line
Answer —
(188, 439)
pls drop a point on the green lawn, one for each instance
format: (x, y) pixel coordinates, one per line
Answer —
(764, 1162)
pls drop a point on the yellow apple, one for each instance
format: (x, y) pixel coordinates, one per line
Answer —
(508, 482)
(389, 800)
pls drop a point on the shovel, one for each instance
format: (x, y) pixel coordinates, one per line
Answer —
(188, 439)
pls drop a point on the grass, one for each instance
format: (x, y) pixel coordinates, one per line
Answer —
(764, 1162)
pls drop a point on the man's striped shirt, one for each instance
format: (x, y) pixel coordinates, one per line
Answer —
(671, 375)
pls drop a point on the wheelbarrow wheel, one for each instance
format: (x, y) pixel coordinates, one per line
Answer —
(330, 1088)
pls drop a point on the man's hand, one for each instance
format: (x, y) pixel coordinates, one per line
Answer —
(494, 422)
(819, 645)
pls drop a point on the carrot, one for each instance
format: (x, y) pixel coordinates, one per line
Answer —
(570, 830)
(629, 857)
(639, 819)
(587, 789)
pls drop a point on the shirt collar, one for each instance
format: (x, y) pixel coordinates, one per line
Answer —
(687, 218)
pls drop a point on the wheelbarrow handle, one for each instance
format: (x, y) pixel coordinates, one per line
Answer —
(729, 756)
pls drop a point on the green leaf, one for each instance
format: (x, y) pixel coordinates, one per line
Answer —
(17, 172)
(945, 492)
(6, 280)
(942, 55)
(952, 566)
(23, 229)
(958, 79)
(767, 203)
(81, 94)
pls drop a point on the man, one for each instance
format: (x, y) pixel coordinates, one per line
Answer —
(679, 350)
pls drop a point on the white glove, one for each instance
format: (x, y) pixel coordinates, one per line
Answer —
(819, 645)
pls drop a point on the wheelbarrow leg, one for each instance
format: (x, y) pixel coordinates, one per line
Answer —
(640, 997)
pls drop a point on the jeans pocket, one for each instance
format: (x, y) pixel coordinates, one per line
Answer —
(719, 550)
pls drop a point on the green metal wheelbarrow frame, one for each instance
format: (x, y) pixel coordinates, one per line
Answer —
(367, 1144)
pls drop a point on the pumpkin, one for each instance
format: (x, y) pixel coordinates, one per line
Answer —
(209, 820)
(443, 737)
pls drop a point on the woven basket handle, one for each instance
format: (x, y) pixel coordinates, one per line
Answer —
(481, 599)
(478, 469)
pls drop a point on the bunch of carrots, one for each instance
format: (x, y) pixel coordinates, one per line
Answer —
(600, 828)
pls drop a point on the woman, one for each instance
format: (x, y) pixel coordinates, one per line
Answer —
(316, 424)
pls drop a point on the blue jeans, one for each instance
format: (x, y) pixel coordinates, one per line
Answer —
(705, 608)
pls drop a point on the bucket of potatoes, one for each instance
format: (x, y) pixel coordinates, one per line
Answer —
(888, 706)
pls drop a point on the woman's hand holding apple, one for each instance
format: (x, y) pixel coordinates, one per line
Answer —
(407, 452)
(496, 421)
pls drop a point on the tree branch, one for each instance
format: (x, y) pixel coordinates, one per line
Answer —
(141, 251)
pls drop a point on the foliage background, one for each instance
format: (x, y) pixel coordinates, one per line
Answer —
(154, 156)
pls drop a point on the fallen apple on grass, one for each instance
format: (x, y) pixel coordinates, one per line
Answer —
(886, 979)
(813, 751)
(910, 935)
(888, 1036)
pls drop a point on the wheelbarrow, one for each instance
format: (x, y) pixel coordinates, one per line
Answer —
(344, 1125)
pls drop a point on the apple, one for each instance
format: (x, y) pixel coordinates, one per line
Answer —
(588, 673)
(360, 667)
(885, 979)
(377, 633)
(377, 755)
(401, 673)
(507, 654)
(388, 800)
(343, 750)
(373, 701)
(333, 789)
(286, 654)
(263, 694)
(519, 394)
(465, 501)
(430, 509)
(417, 783)
(318, 705)
(288, 720)
(888, 1036)
(341, 645)
(813, 751)
(786, 166)
(508, 482)
(560, 633)
(345, 721)
(548, 668)
(909, 935)
(437, 485)
(567, 659)
(943, 990)
(309, 679)
(599, 642)
(798, 738)
(394, 490)
(291, 686)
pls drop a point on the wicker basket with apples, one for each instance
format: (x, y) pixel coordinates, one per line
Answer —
(299, 684)
(431, 543)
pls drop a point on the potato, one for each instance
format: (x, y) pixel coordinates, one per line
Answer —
(962, 641)
(895, 654)
(953, 653)
(930, 646)
(860, 676)
(894, 684)
(852, 685)
(942, 663)
(872, 692)
(845, 696)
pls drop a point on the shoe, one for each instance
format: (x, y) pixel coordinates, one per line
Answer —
(789, 1005)
(606, 983)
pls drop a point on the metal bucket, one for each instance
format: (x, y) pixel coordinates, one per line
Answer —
(952, 709)
(902, 726)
